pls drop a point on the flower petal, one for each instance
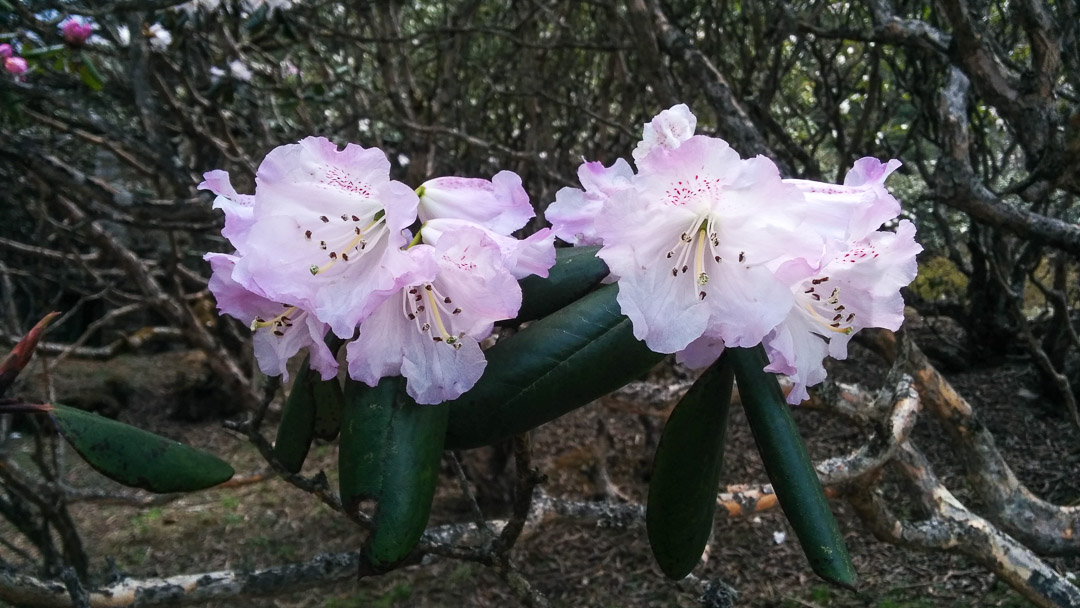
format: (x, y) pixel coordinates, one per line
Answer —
(573, 214)
(500, 205)
(667, 130)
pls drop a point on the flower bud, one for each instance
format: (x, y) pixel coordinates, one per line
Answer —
(76, 33)
(15, 65)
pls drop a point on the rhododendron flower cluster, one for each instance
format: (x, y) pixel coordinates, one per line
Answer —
(416, 279)
(711, 250)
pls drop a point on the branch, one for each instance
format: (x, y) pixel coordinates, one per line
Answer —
(25, 590)
(953, 527)
(958, 186)
(1047, 528)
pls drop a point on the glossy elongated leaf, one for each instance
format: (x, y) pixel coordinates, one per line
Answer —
(790, 469)
(557, 364)
(686, 473)
(137, 458)
(329, 401)
(297, 426)
(576, 272)
(365, 430)
(390, 452)
(410, 472)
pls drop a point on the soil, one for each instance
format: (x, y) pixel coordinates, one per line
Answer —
(574, 564)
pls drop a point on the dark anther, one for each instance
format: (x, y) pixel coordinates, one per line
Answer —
(325, 219)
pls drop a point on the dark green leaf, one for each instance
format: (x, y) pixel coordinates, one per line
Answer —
(328, 404)
(410, 472)
(686, 473)
(390, 452)
(555, 365)
(137, 458)
(576, 272)
(365, 430)
(297, 427)
(789, 468)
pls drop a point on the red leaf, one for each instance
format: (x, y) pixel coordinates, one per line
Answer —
(20, 355)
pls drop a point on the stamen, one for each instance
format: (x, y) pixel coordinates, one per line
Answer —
(699, 260)
(376, 226)
(282, 320)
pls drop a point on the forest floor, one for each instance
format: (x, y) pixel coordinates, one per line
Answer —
(574, 564)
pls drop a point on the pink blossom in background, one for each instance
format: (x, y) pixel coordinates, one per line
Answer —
(15, 65)
(6, 51)
(76, 32)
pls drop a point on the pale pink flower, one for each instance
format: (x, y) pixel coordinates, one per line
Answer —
(691, 243)
(499, 204)
(667, 131)
(534, 254)
(430, 330)
(16, 66)
(280, 330)
(573, 214)
(325, 232)
(239, 208)
(75, 32)
(6, 51)
(848, 212)
(858, 288)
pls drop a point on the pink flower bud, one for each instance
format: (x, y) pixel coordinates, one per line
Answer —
(15, 65)
(76, 33)
(5, 51)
